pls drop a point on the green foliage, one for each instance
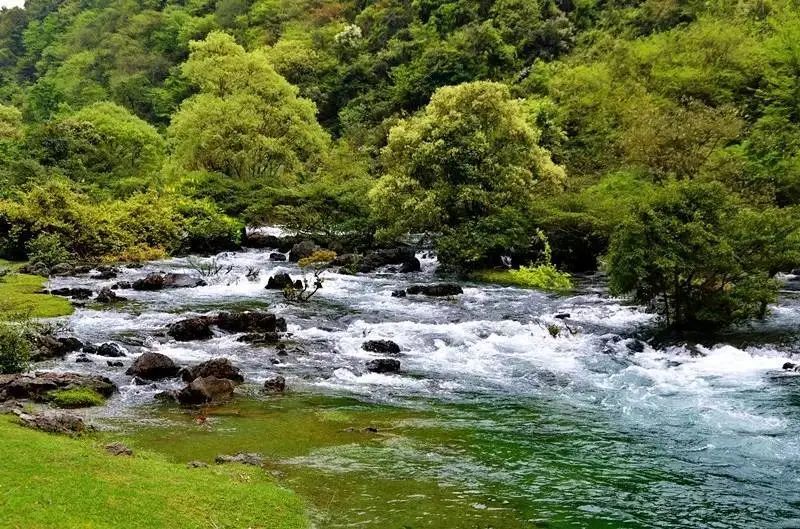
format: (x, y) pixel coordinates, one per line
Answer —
(542, 277)
(47, 249)
(15, 349)
(470, 156)
(247, 121)
(695, 256)
(75, 398)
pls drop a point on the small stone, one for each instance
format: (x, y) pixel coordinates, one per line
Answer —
(276, 384)
(118, 449)
(196, 464)
(243, 458)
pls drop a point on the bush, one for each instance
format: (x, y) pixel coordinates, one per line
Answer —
(697, 256)
(48, 249)
(15, 349)
(75, 398)
(544, 277)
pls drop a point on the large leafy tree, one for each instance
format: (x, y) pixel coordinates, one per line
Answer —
(469, 157)
(102, 144)
(699, 258)
(246, 122)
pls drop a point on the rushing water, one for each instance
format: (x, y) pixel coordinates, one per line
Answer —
(493, 422)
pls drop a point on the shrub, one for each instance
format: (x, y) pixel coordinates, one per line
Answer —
(15, 349)
(48, 249)
(544, 277)
(75, 398)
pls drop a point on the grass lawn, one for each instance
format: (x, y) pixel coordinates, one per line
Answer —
(54, 482)
(18, 297)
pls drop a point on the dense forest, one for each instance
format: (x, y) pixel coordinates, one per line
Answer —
(657, 140)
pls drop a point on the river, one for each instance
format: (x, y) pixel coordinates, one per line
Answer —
(492, 423)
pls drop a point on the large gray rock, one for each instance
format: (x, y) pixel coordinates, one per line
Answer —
(198, 328)
(301, 250)
(216, 367)
(37, 386)
(204, 390)
(383, 365)
(153, 366)
(53, 422)
(440, 290)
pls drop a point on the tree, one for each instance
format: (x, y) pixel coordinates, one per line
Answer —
(102, 144)
(247, 122)
(468, 157)
(698, 259)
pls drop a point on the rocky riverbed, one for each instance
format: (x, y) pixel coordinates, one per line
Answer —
(447, 405)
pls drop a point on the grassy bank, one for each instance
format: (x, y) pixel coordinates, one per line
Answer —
(18, 297)
(49, 481)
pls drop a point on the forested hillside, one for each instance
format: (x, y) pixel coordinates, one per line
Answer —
(659, 139)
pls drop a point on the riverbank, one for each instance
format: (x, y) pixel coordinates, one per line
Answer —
(54, 482)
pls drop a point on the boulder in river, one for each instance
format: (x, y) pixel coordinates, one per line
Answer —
(279, 257)
(249, 321)
(48, 346)
(276, 384)
(385, 347)
(153, 366)
(383, 365)
(282, 281)
(263, 240)
(108, 273)
(157, 281)
(789, 366)
(438, 290)
(302, 250)
(37, 386)
(216, 367)
(198, 328)
(74, 293)
(205, 389)
(106, 295)
(399, 293)
(111, 350)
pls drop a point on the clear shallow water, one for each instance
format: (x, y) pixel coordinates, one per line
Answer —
(492, 422)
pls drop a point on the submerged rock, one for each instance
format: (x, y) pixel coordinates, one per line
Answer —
(440, 290)
(399, 293)
(386, 347)
(153, 366)
(217, 367)
(383, 365)
(276, 384)
(205, 389)
(242, 458)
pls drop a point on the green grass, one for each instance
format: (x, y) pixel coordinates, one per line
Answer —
(18, 297)
(543, 277)
(75, 398)
(54, 482)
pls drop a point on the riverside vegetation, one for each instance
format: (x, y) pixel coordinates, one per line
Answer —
(525, 143)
